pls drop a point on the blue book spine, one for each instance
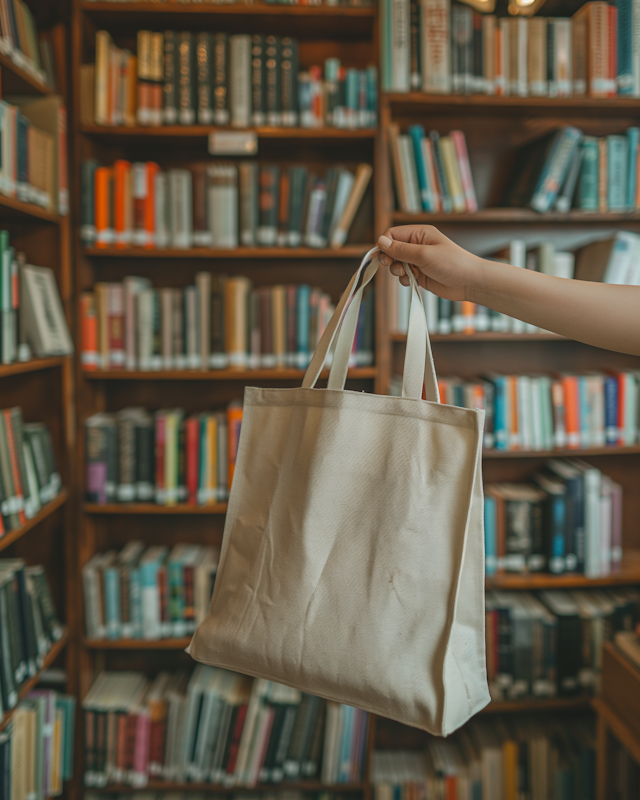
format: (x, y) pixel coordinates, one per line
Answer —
(557, 539)
(611, 410)
(500, 428)
(202, 464)
(575, 490)
(347, 739)
(589, 172)
(617, 172)
(417, 135)
(585, 416)
(176, 598)
(302, 326)
(633, 139)
(135, 602)
(625, 47)
(490, 536)
(112, 601)
(555, 169)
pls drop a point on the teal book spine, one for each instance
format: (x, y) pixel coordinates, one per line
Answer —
(302, 326)
(617, 173)
(555, 169)
(112, 601)
(68, 706)
(588, 193)
(372, 96)
(625, 47)
(490, 536)
(176, 598)
(347, 736)
(416, 132)
(633, 139)
(135, 602)
(202, 464)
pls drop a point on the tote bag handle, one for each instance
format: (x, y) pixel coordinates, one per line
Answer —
(419, 369)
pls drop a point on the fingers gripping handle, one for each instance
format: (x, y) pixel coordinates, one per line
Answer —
(418, 365)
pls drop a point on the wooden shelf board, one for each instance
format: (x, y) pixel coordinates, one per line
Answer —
(628, 574)
(347, 252)
(137, 644)
(226, 9)
(10, 207)
(309, 786)
(357, 373)
(485, 336)
(191, 131)
(517, 216)
(18, 80)
(565, 452)
(12, 536)
(31, 366)
(538, 704)
(152, 508)
(575, 104)
(31, 683)
(619, 728)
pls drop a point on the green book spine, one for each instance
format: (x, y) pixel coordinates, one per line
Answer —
(588, 192)
(617, 173)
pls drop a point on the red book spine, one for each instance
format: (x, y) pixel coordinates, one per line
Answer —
(192, 427)
(235, 742)
(157, 735)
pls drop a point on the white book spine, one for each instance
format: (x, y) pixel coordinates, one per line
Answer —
(522, 39)
(563, 57)
(435, 37)
(240, 67)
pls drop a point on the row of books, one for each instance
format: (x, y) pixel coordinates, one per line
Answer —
(544, 412)
(36, 747)
(548, 645)
(567, 519)
(148, 592)
(19, 39)
(166, 458)
(215, 726)
(568, 169)
(215, 79)
(31, 315)
(258, 3)
(29, 477)
(444, 47)
(29, 626)
(431, 173)
(33, 165)
(220, 323)
(219, 204)
(495, 756)
(615, 259)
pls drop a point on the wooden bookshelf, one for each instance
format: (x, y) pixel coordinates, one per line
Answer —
(513, 216)
(137, 644)
(34, 365)
(152, 508)
(11, 207)
(16, 80)
(416, 102)
(349, 252)
(12, 536)
(298, 786)
(356, 373)
(542, 704)
(627, 575)
(484, 336)
(194, 131)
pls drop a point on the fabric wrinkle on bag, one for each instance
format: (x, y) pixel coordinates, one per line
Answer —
(352, 563)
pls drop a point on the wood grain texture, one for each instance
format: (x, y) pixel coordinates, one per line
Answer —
(627, 575)
(352, 251)
(16, 80)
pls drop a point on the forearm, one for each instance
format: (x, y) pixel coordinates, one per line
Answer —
(598, 314)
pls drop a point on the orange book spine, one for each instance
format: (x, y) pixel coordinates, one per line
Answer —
(120, 176)
(613, 51)
(514, 432)
(234, 423)
(89, 332)
(571, 411)
(102, 206)
(150, 206)
(469, 316)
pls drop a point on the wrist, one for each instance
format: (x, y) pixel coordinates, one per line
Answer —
(475, 289)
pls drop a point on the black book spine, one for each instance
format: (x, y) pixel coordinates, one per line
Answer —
(274, 738)
(16, 651)
(203, 68)
(111, 434)
(170, 87)
(569, 654)
(182, 462)
(505, 646)
(536, 560)
(186, 104)
(26, 631)
(551, 59)
(311, 765)
(272, 74)
(575, 543)
(288, 82)
(220, 83)
(416, 54)
(10, 695)
(258, 106)
(445, 313)
(145, 466)
(277, 770)
(48, 609)
(478, 66)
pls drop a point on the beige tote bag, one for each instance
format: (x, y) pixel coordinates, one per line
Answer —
(352, 563)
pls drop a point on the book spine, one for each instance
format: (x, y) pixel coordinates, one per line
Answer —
(273, 79)
(563, 56)
(240, 83)
(598, 48)
(203, 69)
(170, 108)
(258, 81)
(186, 82)
(436, 47)
(220, 79)
(289, 82)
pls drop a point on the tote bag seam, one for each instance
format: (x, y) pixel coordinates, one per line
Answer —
(332, 698)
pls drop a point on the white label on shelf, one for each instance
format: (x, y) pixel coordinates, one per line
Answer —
(233, 143)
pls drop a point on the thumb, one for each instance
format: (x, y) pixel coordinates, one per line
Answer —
(404, 251)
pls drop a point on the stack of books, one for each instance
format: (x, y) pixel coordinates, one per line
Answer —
(219, 204)
(431, 173)
(29, 627)
(214, 726)
(567, 519)
(548, 645)
(567, 169)
(34, 152)
(543, 412)
(166, 458)
(496, 756)
(148, 592)
(215, 79)
(36, 747)
(444, 47)
(29, 477)
(220, 323)
(20, 41)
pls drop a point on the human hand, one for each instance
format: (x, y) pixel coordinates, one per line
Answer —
(439, 265)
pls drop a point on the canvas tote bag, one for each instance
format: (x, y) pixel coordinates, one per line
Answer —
(352, 563)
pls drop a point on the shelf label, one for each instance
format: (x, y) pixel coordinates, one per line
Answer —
(233, 143)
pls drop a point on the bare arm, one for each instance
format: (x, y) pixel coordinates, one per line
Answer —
(598, 314)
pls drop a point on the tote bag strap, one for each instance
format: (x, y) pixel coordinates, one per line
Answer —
(418, 364)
